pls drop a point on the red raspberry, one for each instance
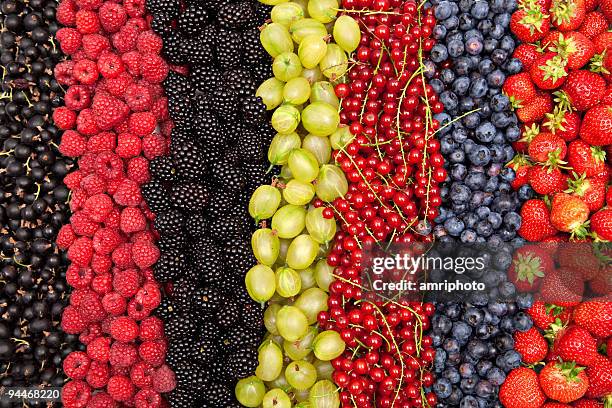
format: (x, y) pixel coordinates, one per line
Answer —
(77, 277)
(65, 237)
(142, 123)
(160, 110)
(72, 322)
(141, 373)
(79, 55)
(78, 295)
(109, 111)
(132, 220)
(154, 145)
(138, 98)
(80, 251)
(87, 22)
(105, 240)
(146, 236)
(87, 163)
(123, 371)
(138, 170)
(69, 39)
(85, 71)
(128, 145)
(78, 199)
(149, 295)
(97, 207)
(98, 374)
(123, 354)
(124, 329)
(132, 62)
(76, 394)
(118, 86)
(102, 284)
(110, 65)
(125, 39)
(94, 44)
(101, 264)
(148, 275)
(91, 332)
(154, 69)
(109, 166)
(151, 328)
(112, 16)
(153, 352)
(89, 4)
(93, 184)
(120, 388)
(78, 97)
(102, 400)
(135, 8)
(73, 180)
(91, 308)
(126, 282)
(164, 379)
(65, 13)
(128, 194)
(72, 144)
(64, 118)
(76, 365)
(63, 73)
(148, 41)
(113, 219)
(145, 254)
(82, 225)
(122, 256)
(102, 142)
(99, 349)
(148, 399)
(139, 22)
(114, 304)
(137, 311)
(86, 123)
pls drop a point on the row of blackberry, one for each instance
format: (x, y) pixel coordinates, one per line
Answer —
(33, 202)
(200, 193)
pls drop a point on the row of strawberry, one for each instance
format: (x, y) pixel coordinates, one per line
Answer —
(115, 120)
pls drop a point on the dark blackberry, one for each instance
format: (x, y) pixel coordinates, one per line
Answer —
(156, 196)
(179, 109)
(189, 197)
(196, 51)
(162, 168)
(205, 350)
(217, 371)
(252, 315)
(182, 398)
(180, 328)
(169, 266)
(188, 164)
(195, 225)
(171, 242)
(182, 294)
(210, 271)
(191, 376)
(169, 8)
(250, 146)
(239, 336)
(242, 362)
(176, 84)
(206, 78)
(240, 81)
(262, 71)
(262, 12)
(229, 49)
(207, 127)
(207, 301)
(166, 309)
(237, 15)
(193, 20)
(254, 52)
(169, 222)
(229, 314)
(239, 256)
(224, 101)
(253, 110)
(228, 176)
(258, 175)
(172, 42)
(225, 228)
(220, 203)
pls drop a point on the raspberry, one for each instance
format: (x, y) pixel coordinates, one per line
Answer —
(137, 311)
(151, 328)
(79, 278)
(113, 219)
(94, 44)
(132, 220)
(153, 352)
(102, 400)
(109, 111)
(153, 145)
(80, 251)
(135, 8)
(72, 322)
(148, 399)
(146, 236)
(98, 207)
(101, 264)
(138, 22)
(114, 304)
(160, 110)
(142, 123)
(128, 145)
(98, 374)
(138, 170)
(164, 379)
(65, 13)
(148, 41)
(76, 365)
(131, 60)
(102, 142)
(122, 256)
(128, 194)
(76, 394)
(86, 123)
(73, 180)
(89, 4)
(64, 118)
(141, 373)
(63, 73)
(120, 388)
(91, 308)
(112, 16)
(65, 237)
(125, 39)
(85, 71)
(78, 97)
(93, 185)
(90, 333)
(154, 69)
(123, 354)
(109, 166)
(87, 22)
(105, 240)
(102, 284)
(149, 295)
(138, 98)
(99, 349)
(126, 282)
(110, 65)
(69, 39)
(118, 86)
(78, 199)
(145, 254)
(78, 295)
(72, 144)
(124, 329)
(82, 225)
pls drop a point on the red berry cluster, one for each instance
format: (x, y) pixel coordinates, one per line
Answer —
(115, 120)
(394, 169)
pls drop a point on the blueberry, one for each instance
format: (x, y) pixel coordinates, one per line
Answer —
(512, 359)
(439, 32)
(465, 5)
(524, 300)
(508, 152)
(482, 212)
(469, 236)
(507, 43)
(522, 322)
(490, 45)
(485, 26)
(504, 342)
(507, 290)
(451, 23)
(440, 359)
(497, 32)
(496, 79)
(463, 65)
(443, 10)
(496, 376)
(455, 397)
(514, 66)
(484, 228)
(458, 172)
(441, 324)
(475, 180)
(452, 311)
(474, 46)
(483, 367)
(437, 85)
(443, 388)
(485, 132)
(451, 346)
(444, 119)
(469, 145)
(502, 119)
(466, 370)
(491, 186)
(480, 10)
(467, 104)
(502, 19)
(458, 156)
(451, 374)
(438, 53)
(460, 193)
(484, 389)
(480, 155)
(455, 35)
(511, 5)
(461, 331)
(499, 56)
(478, 88)
(461, 85)
(498, 308)
(466, 22)
(508, 174)
(473, 33)
(449, 99)
(456, 48)
(467, 386)
(447, 76)
(460, 135)
(470, 219)
(497, 6)
(500, 103)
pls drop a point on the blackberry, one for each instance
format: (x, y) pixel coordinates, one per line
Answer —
(253, 110)
(239, 336)
(169, 222)
(156, 196)
(205, 350)
(172, 44)
(193, 20)
(171, 242)
(162, 168)
(189, 197)
(225, 228)
(179, 109)
(240, 81)
(179, 328)
(229, 49)
(242, 362)
(262, 71)
(206, 126)
(228, 176)
(239, 256)
(217, 371)
(196, 51)
(168, 8)
(237, 15)
(195, 225)
(182, 294)
(220, 204)
(187, 161)
(178, 85)
(205, 78)
(254, 52)
(182, 398)
(252, 315)
(262, 12)
(207, 300)
(224, 101)
(169, 266)
(166, 309)
(228, 314)
(210, 270)
(191, 376)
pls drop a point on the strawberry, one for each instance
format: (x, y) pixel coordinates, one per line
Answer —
(549, 71)
(588, 403)
(577, 344)
(601, 224)
(586, 159)
(603, 41)
(535, 110)
(556, 405)
(595, 316)
(529, 265)
(601, 284)
(567, 15)
(584, 89)
(568, 213)
(563, 123)
(594, 24)
(520, 164)
(547, 147)
(575, 47)
(609, 196)
(590, 5)
(536, 221)
(600, 378)
(519, 89)
(530, 25)
(527, 54)
(531, 345)
(602, 64)
(562, 287)
(543, 315)
(596, 126)
(579, 257)
(563, 381)
(528, 132)
(547, 179)
(590, 190)
(522, 389)
(606, 8)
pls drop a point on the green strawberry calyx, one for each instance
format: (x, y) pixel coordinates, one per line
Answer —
(598, 154)
(563, 101)
(563, 11)
(519, 160)
(530, 132)
(564, 46)
(554, 68)
(598, 64)
(579, 185)
(570, 370)
(556, 119)
(528, 267)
